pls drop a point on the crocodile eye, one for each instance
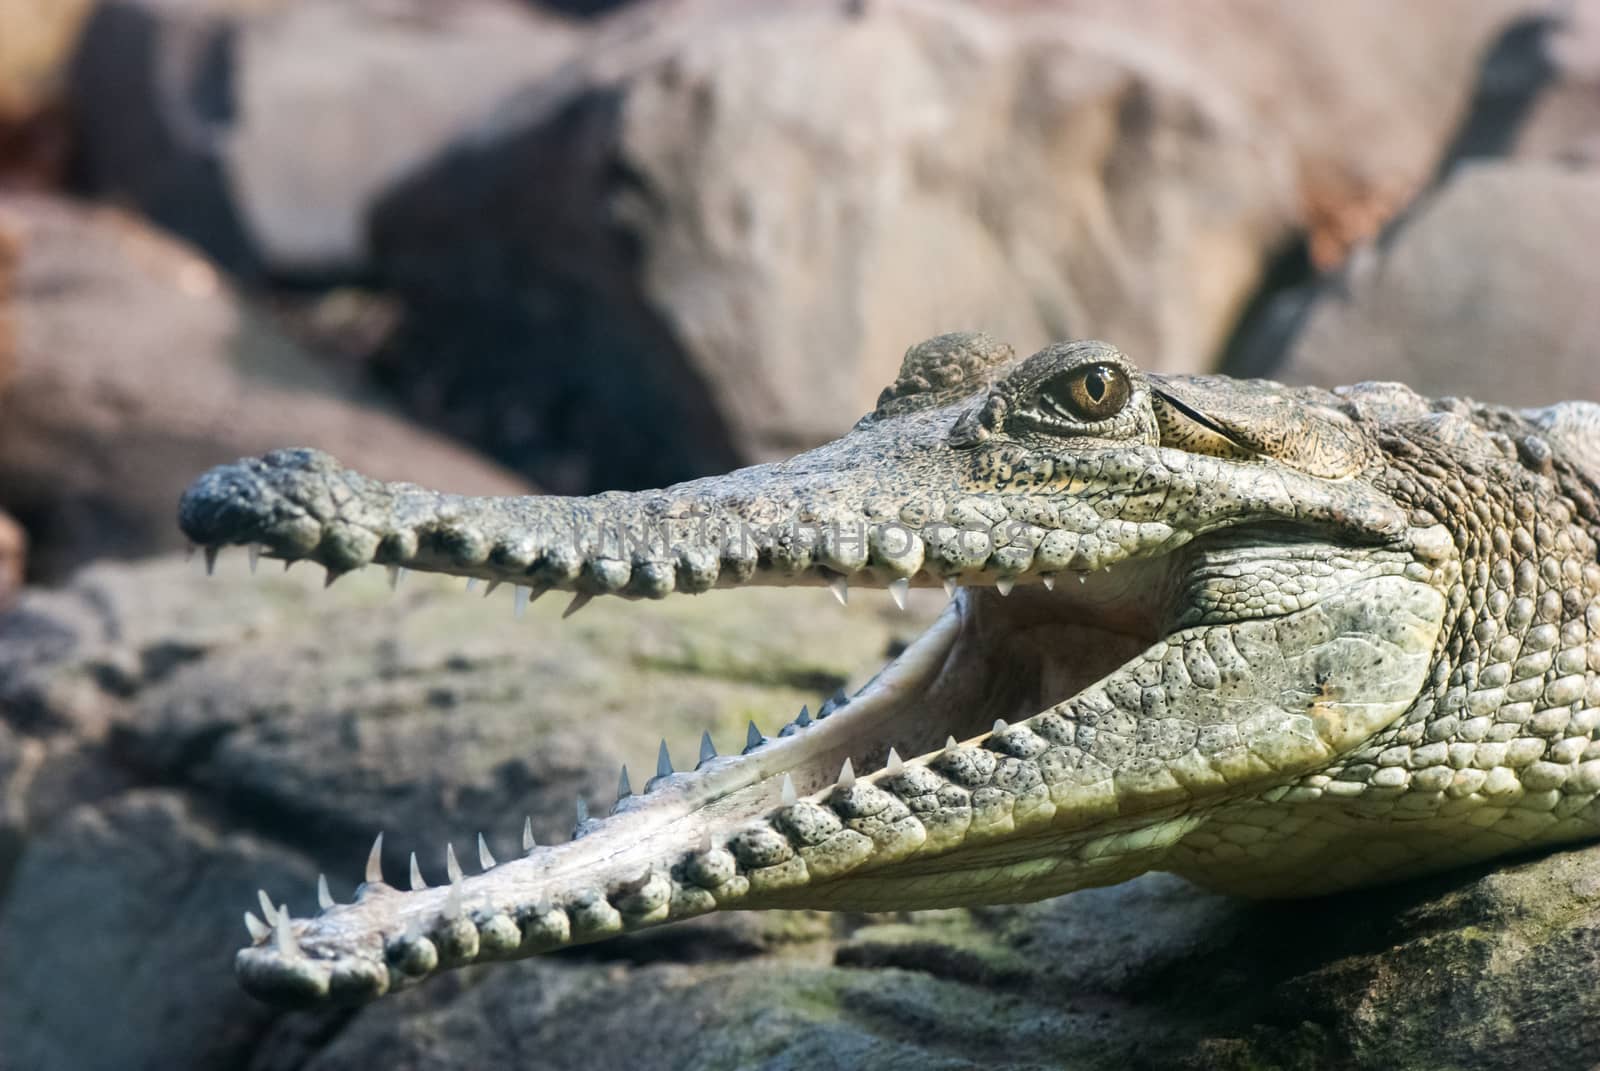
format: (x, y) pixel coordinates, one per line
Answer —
(1090, 392)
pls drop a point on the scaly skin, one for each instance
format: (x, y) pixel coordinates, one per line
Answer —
(1279, 641)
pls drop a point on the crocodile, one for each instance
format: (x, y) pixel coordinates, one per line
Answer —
(1279, 641)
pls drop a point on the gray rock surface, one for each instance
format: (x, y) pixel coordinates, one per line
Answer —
(1484, 289)
(169, 743)
(749, 244)
(264, 129)
(128, 364)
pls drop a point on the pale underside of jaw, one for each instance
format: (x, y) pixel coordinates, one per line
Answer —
(995, 655)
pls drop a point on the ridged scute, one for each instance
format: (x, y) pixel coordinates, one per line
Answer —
(943, 369)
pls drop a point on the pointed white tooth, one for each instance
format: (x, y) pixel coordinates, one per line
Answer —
(489, 588)
(752, 736)
(1083, 578)
(579, 601)
(485, 857)
(1004, 585)
(1049, 581)
(527, 834)
(324, 896)
(258, 929)
(254, 551)
(950, 586)
(1001, 725)
(803, 719)
(472, 584)
(396, 574)
(894, 765)
(452, 899)
(898, 590)
(841, 590)
(708, 750)
(452, 867)
(285, 936)
(950, 743)
(211, 560)
(663, 760)
(416, 875)
(624, 788)
(268, 912)
(788, 793)
(375, 861)
(847, 776)
(582, 810)
(520, 600)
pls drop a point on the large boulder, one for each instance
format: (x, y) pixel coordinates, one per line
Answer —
(1486, 288)
(745, 244)
(170, 743)
(128, 365)
(264, 130)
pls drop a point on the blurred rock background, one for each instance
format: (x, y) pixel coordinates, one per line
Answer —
(488, 245)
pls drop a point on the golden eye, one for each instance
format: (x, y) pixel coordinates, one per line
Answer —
(1090, 392)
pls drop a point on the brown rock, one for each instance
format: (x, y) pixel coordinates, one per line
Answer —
(1486, 289)
(137, 367)
(747, 245)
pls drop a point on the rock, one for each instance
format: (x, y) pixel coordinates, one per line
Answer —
(285, 724)
(747, 249)
(135, 366)
(254, 128)
(13, 558)
(1485, 289)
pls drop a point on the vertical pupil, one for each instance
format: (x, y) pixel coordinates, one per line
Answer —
(1096, 386)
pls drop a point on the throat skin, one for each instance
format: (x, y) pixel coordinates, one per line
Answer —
(1281, 641)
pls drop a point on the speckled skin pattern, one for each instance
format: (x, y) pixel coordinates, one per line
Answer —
(1281, 641)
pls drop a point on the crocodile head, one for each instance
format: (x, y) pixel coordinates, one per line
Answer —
(1170, 597)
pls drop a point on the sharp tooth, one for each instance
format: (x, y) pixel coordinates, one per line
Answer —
(375, 862)
(287, 563)
(582, 810)
(452, 868)
(254, 551)
(268, 912)
(898, 590)
(489, 588)
(519, 604)
(847, 776)
(485, 857)
(894, 765)
(1083, 578)
(804, 718)
(708, 750)
(472, 584)
(1049, 581)
(1000, 725)
(416, 875)
(527, 834)
(258, 929)
(950, 586)
(211, 559)
(832, 703)
(663, 760)
(324, 897)
(396, 574)
(841, 590)
(285, 936)
(452, 900)
(753, 738)
(329, 576)
(579, 601)
(950, 743)
(1004, 585)
(624, 789)
(788, 793)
